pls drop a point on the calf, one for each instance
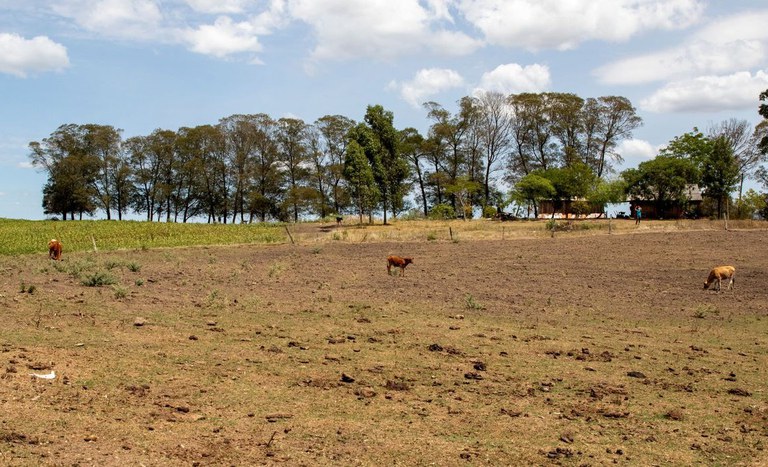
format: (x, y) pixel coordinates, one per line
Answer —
(399, 262)
(54, 250)
(719, 273)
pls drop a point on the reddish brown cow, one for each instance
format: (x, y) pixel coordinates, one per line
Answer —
(719, 273)
(398, 262)
(54, 249)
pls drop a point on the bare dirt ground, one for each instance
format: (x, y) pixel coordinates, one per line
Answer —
(573, 350)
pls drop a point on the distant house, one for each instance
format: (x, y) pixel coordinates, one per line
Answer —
(571, 209)
(652, 209)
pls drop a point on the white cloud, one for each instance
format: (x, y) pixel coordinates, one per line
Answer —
(223, 38)
(20, 56)
(726, 45)
(708, 93)
(634, 152)
(218, 6)
(539, 24)
(513, 78)
(382, 29)
(426, 83)
(129, 19)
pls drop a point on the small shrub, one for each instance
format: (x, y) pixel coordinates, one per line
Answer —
(442, 211)
(98, 279)
(489, 212)
(316, 250)
(472, 304)
(120, 292)
(139, 282)
(110, 265)
(24, 288)
(134, 267)
(432, 236)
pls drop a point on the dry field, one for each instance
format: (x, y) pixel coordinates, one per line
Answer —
(573, 350)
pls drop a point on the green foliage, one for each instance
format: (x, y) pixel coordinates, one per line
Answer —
(28, 289)
(442, 211)
(471, 303)
(753, 204)
(663, 179)
(693, 146)
(489, 211)
(98, 279)
(720, 172)
(120, 292)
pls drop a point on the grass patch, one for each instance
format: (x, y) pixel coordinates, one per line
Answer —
(98, 279)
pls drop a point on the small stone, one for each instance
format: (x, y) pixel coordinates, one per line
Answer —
(139, 321)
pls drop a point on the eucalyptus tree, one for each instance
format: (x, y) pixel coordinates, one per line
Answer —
(493, 127)
(611, 119)
(380, 142)
(293, 153)
(334, 130)
(72, 171)
(359, 178)
(414, 148)
(102, 143)
(567, 124)
(268, 188)
(151, 160)
(202, 152)
(241, 138)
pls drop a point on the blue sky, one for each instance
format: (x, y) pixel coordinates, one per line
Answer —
(140, 65)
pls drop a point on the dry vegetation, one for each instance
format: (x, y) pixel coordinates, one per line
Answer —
(502, 347)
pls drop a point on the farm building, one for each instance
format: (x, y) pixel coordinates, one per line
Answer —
(652, 209)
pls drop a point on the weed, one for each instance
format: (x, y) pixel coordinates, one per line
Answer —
(98, 279)
(431, 236)
(316, 250)
(472, 304)
(110, 265)
(139, 282)
(702, 310)
(120, 292)
(276, 270)
(134, 267)
(24, 288)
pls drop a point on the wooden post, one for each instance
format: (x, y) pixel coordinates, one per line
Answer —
(502, 232)
(609, 226)
(450, 232)
(93, 240)
(289, 235)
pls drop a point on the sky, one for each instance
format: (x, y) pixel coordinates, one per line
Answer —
(140, 65)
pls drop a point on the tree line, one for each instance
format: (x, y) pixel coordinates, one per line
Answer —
(253, 167)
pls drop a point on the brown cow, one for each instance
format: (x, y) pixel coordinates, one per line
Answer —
(719, 273)
(54, 249)
(399, 262)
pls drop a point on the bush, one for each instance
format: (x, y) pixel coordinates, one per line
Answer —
(489, 212)
(98, 279)
(442, 211)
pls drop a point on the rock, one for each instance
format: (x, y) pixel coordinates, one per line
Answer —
(636, 374)
(139, 321)
(347, 379)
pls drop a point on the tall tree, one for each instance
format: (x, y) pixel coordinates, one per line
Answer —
(763, 110)
(493, 126)
(293, 154)
(380, 141)
(335, 134)
(720, 173)
(413, 146)
(268, 190)
(359, 178)
(744, 142)
(72, 171)
(102, 143)
(614, 120)
(241, 136)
